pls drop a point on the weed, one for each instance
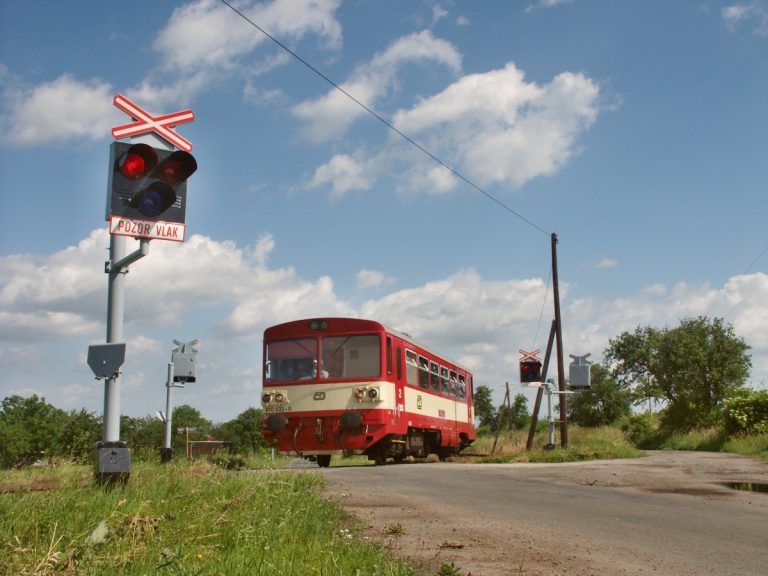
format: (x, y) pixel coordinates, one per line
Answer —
(449, 570)
(394, 529)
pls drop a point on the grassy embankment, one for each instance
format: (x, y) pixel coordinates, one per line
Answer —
(182, 518)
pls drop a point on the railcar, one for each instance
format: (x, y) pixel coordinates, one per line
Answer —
(336, 386)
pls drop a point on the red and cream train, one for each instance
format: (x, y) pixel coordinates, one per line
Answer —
(351, 386)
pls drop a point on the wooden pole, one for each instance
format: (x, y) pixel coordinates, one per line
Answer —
(540, 392)
(559, 338)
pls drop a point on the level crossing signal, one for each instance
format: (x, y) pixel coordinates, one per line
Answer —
(530, 371)
(148, 184)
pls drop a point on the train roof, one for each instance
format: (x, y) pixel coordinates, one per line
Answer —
(351, 325)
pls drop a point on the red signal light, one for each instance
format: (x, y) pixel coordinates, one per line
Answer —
(138, 161)
(530, 371)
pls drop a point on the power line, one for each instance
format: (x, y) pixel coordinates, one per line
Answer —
(381, 119)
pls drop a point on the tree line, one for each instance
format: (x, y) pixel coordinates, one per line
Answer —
(693, 376)
(31, 428)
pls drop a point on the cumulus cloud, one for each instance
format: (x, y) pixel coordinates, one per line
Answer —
(344, 173)
(202, 42)
(329, 116)
(493, 127)
(227, 294)
(57, 111)
(498, 128)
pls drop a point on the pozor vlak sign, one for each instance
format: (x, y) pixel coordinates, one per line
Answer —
(148, 184)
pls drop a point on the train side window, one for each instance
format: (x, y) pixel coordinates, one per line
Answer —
(423, 372)
(444, 380)
(411, 367)
(434, 379)
(454, 384)
(389, 355)
(462, 387)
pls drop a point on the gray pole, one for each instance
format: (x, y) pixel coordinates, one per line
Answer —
(167, 452)
(115, 307)
(117, 268)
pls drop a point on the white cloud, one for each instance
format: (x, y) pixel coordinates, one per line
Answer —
(202, 43)
(366, 279)
(208, 35)
(755, 13)
(50, 303)
(57, 111)
(344, 173)
(493, 127)
(607, 263)
(330, 115)
(497, 128)
(546, 4)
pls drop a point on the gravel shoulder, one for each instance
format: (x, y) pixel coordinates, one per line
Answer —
(661, 514)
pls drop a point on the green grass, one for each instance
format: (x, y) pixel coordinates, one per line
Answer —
(583, 444)
(182, 519)
(753, 445)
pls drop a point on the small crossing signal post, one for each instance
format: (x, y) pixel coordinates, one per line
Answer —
(530, 367)
(181, 370)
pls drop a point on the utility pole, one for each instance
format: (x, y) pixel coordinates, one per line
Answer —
(559, 339)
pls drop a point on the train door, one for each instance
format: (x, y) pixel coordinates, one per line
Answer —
(395, 373)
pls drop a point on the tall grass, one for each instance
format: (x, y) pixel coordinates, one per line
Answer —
(752, 445)
(583, 444)
(184, 519)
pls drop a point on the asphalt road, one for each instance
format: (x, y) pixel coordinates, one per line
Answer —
(668, 513)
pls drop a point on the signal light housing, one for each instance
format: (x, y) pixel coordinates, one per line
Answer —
(530, 371)
(148, 184)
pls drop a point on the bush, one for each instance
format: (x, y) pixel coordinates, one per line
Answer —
(642, 430)
(746, 412)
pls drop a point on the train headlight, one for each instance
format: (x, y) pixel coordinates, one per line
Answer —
(373, 393)
(266, 398)
(359, 393)
(279, 397)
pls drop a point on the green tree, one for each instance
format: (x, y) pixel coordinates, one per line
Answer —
(145, 432)
(29, 428)
(693, 367)
(186, 416)
(603, 404)
(244, 431)
(80, 434)
(484, 410)
(514, 417)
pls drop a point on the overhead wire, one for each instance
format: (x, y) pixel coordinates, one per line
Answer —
(384, 121)
(751, 292)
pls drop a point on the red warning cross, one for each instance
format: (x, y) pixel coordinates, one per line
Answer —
(144, 122)
(529, 355)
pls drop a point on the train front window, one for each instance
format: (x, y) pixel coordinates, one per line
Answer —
(294, 359)
(356, 356)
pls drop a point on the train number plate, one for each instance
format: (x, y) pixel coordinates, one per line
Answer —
(279, 408)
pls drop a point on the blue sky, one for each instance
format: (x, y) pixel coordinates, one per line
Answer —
(636, 131)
